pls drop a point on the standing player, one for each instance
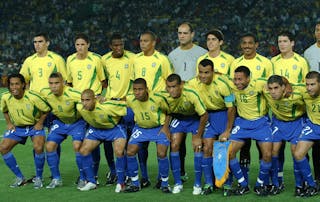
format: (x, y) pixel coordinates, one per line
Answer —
(154, 67)
(184, 60)
(189, 115)
(63, 100)
(24, 112)
(310, 131)
(287, 109)
(152, 124)
(118, 67)
(312, 54)
(260, 67)
(37, 68)
(103, 119)
(288, 63)
(252, 123)
(85, 71)
(221, 60)
(221, 109)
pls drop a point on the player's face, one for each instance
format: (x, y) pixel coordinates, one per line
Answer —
(40, 44)
(240, 80)
(313, 87)
(213, 43)
(185, 36)
(276, 90)
(174, 89)
(205, 74)
(248, 46)
(146, 43)
(56, 86)
(285, 45)
(117, 48)
(140, 92)
(82, 46)
(317, 32)
(16, 87)
(88, 101)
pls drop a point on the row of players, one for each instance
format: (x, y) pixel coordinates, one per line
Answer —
(117, 62)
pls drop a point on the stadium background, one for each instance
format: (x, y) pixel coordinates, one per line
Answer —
(20, 20)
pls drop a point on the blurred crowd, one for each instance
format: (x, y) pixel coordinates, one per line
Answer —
(20, 20)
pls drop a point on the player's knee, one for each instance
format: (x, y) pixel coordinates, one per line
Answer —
(161, 154)
(298, 155)
(207, 151)
(174, 147)
(38, 148)
(118, 152)
(51, 146)
(4, 149)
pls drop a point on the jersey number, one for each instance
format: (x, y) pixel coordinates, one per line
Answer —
(40, 72)
(145, 115)
(79, 75)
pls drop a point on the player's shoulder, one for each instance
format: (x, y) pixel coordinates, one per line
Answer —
(94, 55)
(72, 57)
(5, 95)
(107, 56)
(54, 55)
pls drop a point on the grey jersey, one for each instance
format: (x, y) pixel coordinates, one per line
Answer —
(185, 61)
(312, 55)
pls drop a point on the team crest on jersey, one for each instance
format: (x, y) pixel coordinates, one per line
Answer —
(126, 66)
(67, 103)
(153, 64)
(49, 64)
(101, 116)
(89, 66)
(186, 104)
(216, 92)
(28, 106)
(258, 67)
(294, 67)
(251, 92)
(152, 108)
(286, 104)
(222, 65)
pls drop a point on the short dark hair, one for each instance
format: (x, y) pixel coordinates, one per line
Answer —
(217, 33)
(313, 75)
(140, 81)
(276, 79)
(243, 69)
(42, 34)
(206, 62)
(56, 75)
(287, 34)
(249, 34)
(82, 36)
(115, 36)
(189, 25)
(16, 75)
(150, 33)
(174, 77)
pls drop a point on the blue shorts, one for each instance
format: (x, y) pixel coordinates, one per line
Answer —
(258, 129)
(286, 130)
(49, 120)
(20, 134)
(59, 131)
(148, 134)
(310, 132)
(106, 134)
(127, 121)
(185, 125)
(217, 124)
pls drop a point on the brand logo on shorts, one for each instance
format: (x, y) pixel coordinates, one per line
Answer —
(89, 66)
(49, 64)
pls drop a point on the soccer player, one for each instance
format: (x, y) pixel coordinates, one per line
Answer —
(189, 115)
(154, 67)
(288, 63)
(103, 120)
(118, 67)
(222, 60)
(252, 123)
(310, 131)
(260, 67)
(152, 124)
(24, 112)
(85, 71)
(312, 54)
(221, 109)
(184, 57)
(63, 100)
(37, 68)
(287, 106)
(184, 60)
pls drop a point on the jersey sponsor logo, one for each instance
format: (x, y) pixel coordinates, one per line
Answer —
(222, 65)
(153, 64)
(294, 67)
(258, 67)
(89, 66)
(49, 64)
